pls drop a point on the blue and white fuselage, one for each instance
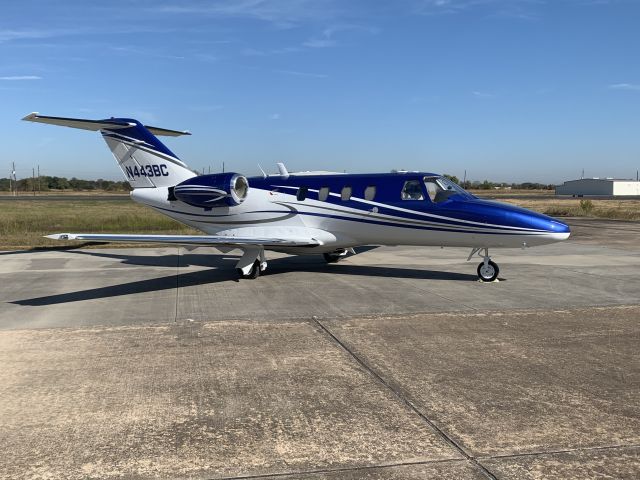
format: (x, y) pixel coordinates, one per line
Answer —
(313, 205)
(309, 212)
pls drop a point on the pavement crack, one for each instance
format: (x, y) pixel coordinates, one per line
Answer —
(407, 402)
(558, 452)
(321, 471)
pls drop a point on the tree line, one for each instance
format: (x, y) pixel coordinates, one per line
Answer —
(487, 185)
(46, 183)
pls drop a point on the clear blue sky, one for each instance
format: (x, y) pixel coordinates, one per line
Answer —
(510, 90)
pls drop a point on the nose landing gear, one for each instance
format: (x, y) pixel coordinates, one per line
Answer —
(487, 270)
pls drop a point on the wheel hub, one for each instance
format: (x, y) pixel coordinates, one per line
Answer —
(487, 271)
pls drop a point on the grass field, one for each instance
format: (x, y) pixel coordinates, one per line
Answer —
(575, 207)
(24, 222)
(68, 193)
(504, 192)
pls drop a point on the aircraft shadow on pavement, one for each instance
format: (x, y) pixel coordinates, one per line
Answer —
(191, 259)
(55, 248)
(130, 288)
(223, 271)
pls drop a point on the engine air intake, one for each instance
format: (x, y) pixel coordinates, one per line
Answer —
(217, 190)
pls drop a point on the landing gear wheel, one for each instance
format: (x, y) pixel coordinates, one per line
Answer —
(488, 272)
(331, 257)
(337, 255)
(253, 273)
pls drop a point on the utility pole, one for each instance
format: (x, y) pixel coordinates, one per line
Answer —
(33, 180)
(15, 181)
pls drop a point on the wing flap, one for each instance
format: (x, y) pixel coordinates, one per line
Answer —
(200, 240)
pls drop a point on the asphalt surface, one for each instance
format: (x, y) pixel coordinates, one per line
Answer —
(394, 364)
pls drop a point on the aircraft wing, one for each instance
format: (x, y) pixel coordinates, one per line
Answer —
(199, 240)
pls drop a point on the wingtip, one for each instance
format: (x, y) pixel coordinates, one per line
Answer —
(59, 236)
(31, 116)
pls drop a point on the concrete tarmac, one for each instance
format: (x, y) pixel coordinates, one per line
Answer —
(395, 363)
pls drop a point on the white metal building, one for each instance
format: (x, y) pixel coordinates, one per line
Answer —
(599, 186)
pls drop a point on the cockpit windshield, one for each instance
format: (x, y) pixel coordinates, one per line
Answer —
(441, 188)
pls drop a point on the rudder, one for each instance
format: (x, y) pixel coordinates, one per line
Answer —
(144, 160)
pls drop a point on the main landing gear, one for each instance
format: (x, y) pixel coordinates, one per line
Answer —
(487, 270)
(337, 255)
(252, 263)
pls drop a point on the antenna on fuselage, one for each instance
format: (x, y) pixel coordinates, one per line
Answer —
(284, 173)
(264, 175)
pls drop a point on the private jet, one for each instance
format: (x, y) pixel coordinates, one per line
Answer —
(306, 212)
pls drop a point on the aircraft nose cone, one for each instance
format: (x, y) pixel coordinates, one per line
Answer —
(556, 226)
(539, 221)
(554, 230)
(513, 216)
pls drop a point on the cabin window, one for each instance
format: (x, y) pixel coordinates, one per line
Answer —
(323, 194)
(432, 188)
(370, 192)
(302, 193)
(412, 190)
(346, 194)
(440, 189)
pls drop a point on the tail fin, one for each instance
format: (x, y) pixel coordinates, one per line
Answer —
(144, 160)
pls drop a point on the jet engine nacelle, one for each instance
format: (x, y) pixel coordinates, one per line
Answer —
(217, 190)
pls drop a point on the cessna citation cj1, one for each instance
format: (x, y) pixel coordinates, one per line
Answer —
(310, 212)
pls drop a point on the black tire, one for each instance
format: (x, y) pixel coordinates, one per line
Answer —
(488, 273)
(255, 270)
(331, 257)
(253, 273)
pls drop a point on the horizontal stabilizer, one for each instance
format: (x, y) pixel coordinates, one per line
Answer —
(78, 122)
(165, 132)
(201, 240)
(95, 125)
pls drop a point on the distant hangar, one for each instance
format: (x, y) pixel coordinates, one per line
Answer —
(599, 186)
